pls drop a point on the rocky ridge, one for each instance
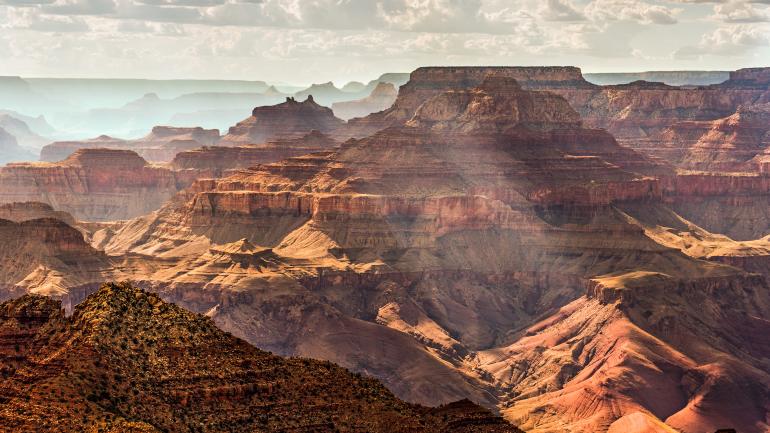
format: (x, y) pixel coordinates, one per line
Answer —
(127, 361)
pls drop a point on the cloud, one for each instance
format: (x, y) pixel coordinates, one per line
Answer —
(631, 10)
(726, 41)
(740, 12)
(33, 19)
(25, 3)
(80, 7)
(560, 10)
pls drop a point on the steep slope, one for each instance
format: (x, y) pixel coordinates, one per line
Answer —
(127, 361)
(290, 119)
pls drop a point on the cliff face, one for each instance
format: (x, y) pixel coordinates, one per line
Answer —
(127, 361)
(381, 98)
(290, 119)
(162, 144)
(92, 184)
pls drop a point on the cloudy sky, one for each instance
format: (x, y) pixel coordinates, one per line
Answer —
(306, 41)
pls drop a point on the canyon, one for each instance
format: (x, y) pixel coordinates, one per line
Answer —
(575, 257)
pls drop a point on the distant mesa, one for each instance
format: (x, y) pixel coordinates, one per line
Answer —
(10, 150)
(290, 119)
(94, 184)
(160, 145)
(672, 78)
(354, 87)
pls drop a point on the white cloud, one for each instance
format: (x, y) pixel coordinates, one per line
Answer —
(727, 41)
(740, 12)
(631, 10)
(560, 10)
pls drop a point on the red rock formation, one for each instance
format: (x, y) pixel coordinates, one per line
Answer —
(634, 113)
(162, 144)
(92, 184)
(381, 98)
(290, 119)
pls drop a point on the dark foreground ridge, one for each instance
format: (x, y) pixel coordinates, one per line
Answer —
(126, 361)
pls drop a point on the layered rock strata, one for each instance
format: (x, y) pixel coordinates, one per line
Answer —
(91, 184)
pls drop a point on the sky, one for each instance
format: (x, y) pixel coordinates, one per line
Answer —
(314, 41)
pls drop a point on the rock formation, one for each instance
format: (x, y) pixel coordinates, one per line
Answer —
(127, 361)
(47, 256)
(634, 113)
(161, 145)
(381, 98)
(91, 184)
(215, 161)
(25, 211)
(291, 119)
